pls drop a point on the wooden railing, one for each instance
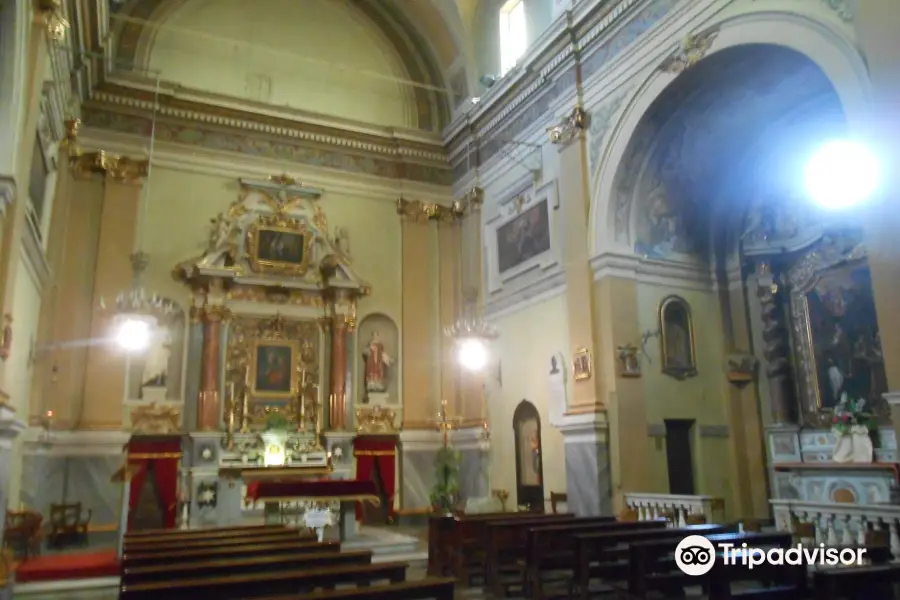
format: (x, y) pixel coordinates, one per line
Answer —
(677, 508)
(836, 523)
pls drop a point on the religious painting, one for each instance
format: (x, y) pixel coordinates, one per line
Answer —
(843, 333)
(529, 460)
(274, 369)
(524, 237)
(581, 364)
(676, 332)
(281, 246)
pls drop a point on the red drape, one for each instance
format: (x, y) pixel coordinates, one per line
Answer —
(164, 454)
(372, 450)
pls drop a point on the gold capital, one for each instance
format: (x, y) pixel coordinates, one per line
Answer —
(569, 127)
(113, 166)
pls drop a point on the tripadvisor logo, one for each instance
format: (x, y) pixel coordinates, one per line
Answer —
(695, 555)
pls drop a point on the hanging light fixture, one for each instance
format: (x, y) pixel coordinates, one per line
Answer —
(136, 312)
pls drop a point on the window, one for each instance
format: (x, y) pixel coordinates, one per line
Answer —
(513, 34)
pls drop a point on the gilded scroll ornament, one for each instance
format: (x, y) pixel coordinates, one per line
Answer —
(52, 13)
(693, 48)
(375, 420)
(155, 419)
(114, 166)
(416, 210)
(569, 127)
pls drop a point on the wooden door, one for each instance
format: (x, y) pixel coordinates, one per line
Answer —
(679, 456)
(529, 456)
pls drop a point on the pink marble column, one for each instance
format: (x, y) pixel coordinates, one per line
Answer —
(208, 400)
(337, 404)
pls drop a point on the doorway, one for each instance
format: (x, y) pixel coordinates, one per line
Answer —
(529, 457)
(679, 457)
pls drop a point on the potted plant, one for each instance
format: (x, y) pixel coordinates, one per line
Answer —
(853, 426)
(445, 493)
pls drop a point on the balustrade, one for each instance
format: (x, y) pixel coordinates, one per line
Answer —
(837, 523)
(675, 507)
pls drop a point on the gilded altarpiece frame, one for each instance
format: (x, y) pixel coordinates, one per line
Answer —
(831, 270)
(278, 244)
(297, 342)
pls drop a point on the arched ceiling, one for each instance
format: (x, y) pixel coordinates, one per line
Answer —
(729, 129)
(427, 36)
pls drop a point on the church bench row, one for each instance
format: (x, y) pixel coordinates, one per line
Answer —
(260, 538)
(454, 539)
(426, 589)
(879, 582)
(154, 535)
(259, 585)
(131, 560)
(175, 571)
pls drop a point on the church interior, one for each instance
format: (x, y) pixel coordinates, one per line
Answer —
(447, 298)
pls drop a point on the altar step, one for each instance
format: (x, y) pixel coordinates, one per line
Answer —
(387, 545)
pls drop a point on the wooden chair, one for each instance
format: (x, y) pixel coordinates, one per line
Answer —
(68, 524)
(557, 498)
(22, 533)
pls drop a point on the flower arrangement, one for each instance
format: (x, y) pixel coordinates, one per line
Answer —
(850, 414)
(445, 493)
(277, 422)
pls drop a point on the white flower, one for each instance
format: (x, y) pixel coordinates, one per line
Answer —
(338, 452)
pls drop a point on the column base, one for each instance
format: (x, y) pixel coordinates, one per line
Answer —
(588, 475)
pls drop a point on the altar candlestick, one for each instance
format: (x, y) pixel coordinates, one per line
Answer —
(245, 413)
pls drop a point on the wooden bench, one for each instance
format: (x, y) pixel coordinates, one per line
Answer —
(298, 582)
(652, 566)
(131, 560)
(199, 534)
(426, 589)
(175, 545)
(867, 583)
(244, 564)
(504, 542)
(552, 547)
(609, 550)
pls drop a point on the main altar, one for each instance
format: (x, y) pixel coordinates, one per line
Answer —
(271, 435)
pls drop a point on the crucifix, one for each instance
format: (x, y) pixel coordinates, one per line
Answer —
(445, 423)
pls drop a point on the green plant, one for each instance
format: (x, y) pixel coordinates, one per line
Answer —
(277, 422)
(851, 413)
(445, 493)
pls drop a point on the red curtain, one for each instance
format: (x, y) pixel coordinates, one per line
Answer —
(372, 450)
(162, 455)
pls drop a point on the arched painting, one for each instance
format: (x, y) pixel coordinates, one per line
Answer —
(529, 457)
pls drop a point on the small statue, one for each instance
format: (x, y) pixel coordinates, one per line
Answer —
(376, 362)
(156, 364)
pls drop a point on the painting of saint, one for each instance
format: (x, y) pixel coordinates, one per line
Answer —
(676, 331)
(276, 246)
(523, 238)
(273, 370)
(844, 334)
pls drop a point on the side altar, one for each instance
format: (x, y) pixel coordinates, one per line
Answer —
(269, 361)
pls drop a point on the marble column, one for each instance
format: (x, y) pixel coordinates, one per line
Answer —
(776, 347)
(337, 405)
(588, 477)
(208, 399)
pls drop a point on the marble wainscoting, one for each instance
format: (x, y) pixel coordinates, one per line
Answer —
(417, 452)
(10, 428)
(73, 466)
(588, 476)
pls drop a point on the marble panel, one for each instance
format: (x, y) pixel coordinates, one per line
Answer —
(588, 483)
(48, 479)
(417, 478)
(473, 474)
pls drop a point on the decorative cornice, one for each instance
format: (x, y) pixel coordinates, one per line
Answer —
(651, 271)
(114, 166)
(418, 211)
(693, 49)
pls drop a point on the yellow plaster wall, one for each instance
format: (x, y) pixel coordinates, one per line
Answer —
(527, 340)
(322, 56)
(703, 398)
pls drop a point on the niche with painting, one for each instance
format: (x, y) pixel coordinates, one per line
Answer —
(676, 334)
(529, 456)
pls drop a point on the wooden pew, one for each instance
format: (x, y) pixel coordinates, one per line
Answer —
(132, 560)
(452, 540)
(652, 566)
(298, 582)
(244, 564)
(174, 545)
(865, 583)
(552, 547)
(199, 534)
(504, 542)
(426, 589)
(610, 550)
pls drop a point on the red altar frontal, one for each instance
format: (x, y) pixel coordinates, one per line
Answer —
(335, 490)
(153, 463)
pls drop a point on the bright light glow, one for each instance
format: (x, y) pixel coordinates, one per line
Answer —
(472, 354)
(842, 174)
(133, 334)
(513, 34)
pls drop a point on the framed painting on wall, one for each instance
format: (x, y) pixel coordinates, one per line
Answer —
(524, 237)
(273, 369)
(285, 247)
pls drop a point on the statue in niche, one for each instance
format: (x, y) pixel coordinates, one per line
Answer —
(377, 361)
(156, 363)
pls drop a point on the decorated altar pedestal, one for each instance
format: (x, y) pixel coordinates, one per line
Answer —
(310, 502)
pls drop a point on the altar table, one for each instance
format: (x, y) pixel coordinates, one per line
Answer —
(345, 491)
